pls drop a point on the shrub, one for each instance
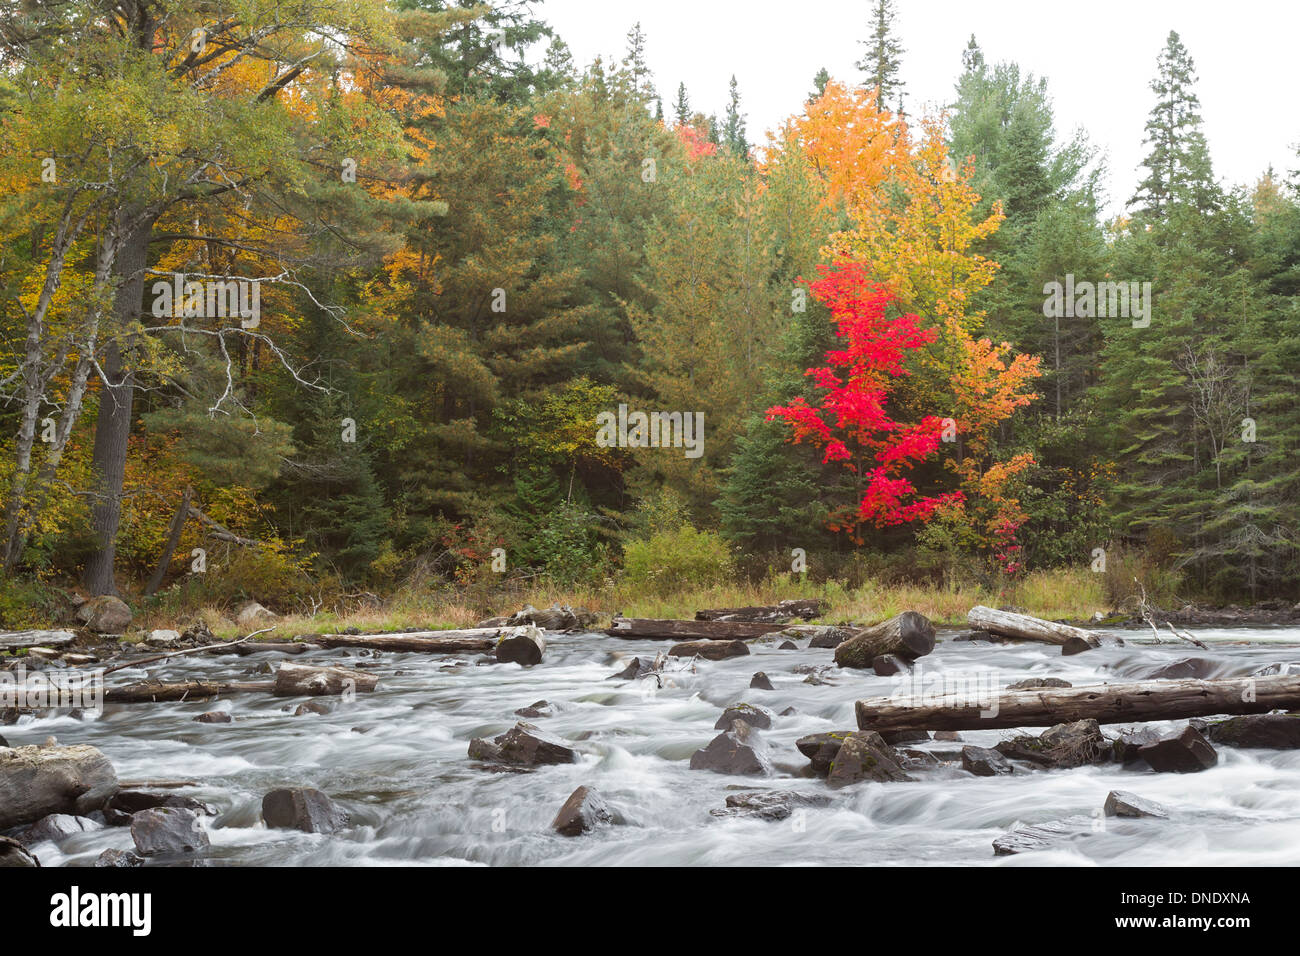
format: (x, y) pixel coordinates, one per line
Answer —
(671, 561)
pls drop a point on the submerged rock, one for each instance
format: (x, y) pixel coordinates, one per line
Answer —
(524, 745)
(769, 804)
(581, 813)
(1042, 836)
(738, 750)
(119, 859)
(984, 762)
(539, 708)
(302, 808)
(1121, 803)
(864, 756)
(56, 828)
(760, 681)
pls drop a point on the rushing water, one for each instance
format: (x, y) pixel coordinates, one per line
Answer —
(396, 760)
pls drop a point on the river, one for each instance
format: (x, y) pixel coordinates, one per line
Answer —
(395, 759)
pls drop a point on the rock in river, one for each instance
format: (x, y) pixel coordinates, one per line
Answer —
(759, 717)
(738, 750)
(582, 812)
(1185, 752)
(1264, 731)
(302, 808)
(1121, 803)
(864, 756)
(984, 762)
(167, 830)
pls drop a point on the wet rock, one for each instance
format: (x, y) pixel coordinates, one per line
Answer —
(769, 804)
(947, 735)
(167, 830)
(56, 828)
(759, 717)
(787, 646)
(105, 615)
(1077, 645)
(214, 717)
(1034, 683)
(200, 633)
(123, 805)
(1129, 744)
(252, 616)
(864, 756)
(1187, 667)
(984, 762)
(523, 745)
(886, 665)
(760, 681)
(789, 712)
(1074, 744)
(3, 742)
(1041, 836)
(540, 708)
(13, 853)
(1121, 803)
(738, 750)
(163, 638)
(312, 707)
(824, 637)
(638, 668)
(302, 808)
(38, 781)
(582, 812)
(821, 749)
(484, 750)
(119, 859)
(1263, 731)
(1185, 752)
(709, 650)
(896, 737)
(973, 636)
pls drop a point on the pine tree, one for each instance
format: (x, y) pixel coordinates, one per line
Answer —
(734, 131)
(682, 108)
(883, 59)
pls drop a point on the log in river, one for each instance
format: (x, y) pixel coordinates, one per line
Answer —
(638, 627)
(1023, 627)
(1106, 703)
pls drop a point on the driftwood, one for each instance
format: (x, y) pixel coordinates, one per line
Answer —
(476, 640)
(1023, 627)
(908, 636)
(15, 639)
(152, 691)
(38, 781)
(634, 627)
(300, 680)
(1106, 703)
(525, 646)
(778, 613)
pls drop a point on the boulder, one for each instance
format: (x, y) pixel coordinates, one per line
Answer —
(759, 717)
(709, 650)
(167, 830)
(769, 804)
(124, 804)
(302, 808)
(738, 750)
(1263, 731)
(1127, 746)
(38, 781)
(984, 762)
(13, 853)
(1077, 645)
(312, 707)
(251, 616)
(582, 812)
(823, 637)
(787, 646)
(523, 745)
(886, 665)
(1121, 803)
(864, 756)
(105, 615)
(163, 638)
(56, 828)
(1184, 752)
(119, 859)
(947, 736)
(821, 749)
(760, 681)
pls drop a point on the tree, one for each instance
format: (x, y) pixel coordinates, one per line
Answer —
(682, 106)
(882, 62)
(734, 131)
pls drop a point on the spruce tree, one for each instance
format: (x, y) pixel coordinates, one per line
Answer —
(734, 131)
(883, 59)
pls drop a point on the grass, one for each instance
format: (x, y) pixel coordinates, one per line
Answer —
(1059, 594)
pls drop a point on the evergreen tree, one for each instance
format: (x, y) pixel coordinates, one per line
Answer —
(883, 59)
(682, 108)
(819, 84)
(734, 131)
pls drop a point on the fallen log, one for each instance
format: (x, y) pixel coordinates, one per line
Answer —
(525, 646)
(15, 639)
(907, 636)
(302, 680)
(1022, 626)
(639, 627)
(709, 650)
(38, 781)
(1105, 703)
(150, 691)
(481, 640)
(778, 613)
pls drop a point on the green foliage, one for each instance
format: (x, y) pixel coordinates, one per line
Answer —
(675, 560)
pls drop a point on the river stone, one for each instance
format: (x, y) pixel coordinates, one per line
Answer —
(1185, 752)
(582, 812)
(167, 830)
(769, 804)
(638, 668)
(709, 650)
(948, 736)
(105, 615)
(527, 745)
(1077, 645)
(1042, 836)
(738, 750)
(3, 742)
(540, 708)
(56, 828)
(787, 646)
(163, 638)
(312, 707)
(823, 637)
(1129, 744)
(38, 781)
(864, 756)
(13, 853)
(984, 762)
(1034, 683)
(1187, 667)
(302, 808)
(759, 717)
(760, 681)
(821, 749)
(1121, 803)
(214, 717)
(1263, 731)
(119, 859)
(886, 665)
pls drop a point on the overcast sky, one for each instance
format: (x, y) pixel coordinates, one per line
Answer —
(1098, 57)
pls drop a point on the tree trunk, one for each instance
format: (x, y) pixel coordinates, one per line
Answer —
(688, 630)
(173, 539)
(116, 398)
(302, 680)
(13, 639)
(779, 613)
(152, 691)
(479, 639)
(1105, 703)
(908, 635)
(525, 646)
(1023, 627)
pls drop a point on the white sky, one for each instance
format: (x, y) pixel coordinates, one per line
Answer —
(1098, 58)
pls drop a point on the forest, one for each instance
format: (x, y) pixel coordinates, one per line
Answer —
(357, 307)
